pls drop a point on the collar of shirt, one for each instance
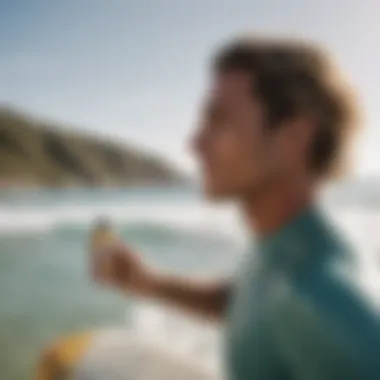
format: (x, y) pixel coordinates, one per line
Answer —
(304, 238)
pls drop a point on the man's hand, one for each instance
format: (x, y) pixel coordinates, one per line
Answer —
(118, 266)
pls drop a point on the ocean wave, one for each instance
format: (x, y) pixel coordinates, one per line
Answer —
(155, 219)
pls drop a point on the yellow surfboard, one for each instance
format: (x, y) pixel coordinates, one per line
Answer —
(60, 359)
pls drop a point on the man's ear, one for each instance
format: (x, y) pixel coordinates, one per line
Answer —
(305, 128)
(299, 132)
(294, 137)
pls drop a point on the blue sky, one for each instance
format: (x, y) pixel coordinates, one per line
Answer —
(136, 69)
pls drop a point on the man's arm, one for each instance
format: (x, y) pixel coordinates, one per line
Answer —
(205, 298)
(123, 269)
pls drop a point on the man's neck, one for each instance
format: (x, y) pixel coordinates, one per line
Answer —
(277, 206)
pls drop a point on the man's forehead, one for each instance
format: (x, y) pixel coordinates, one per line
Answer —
(232, 82)
(233, 86)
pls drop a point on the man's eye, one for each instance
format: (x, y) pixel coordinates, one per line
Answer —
(219, 126)
(217, 118)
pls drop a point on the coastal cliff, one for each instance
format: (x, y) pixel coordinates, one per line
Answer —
(38, 154)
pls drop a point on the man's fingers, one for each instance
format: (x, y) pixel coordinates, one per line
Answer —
(100, 259)
(110, 264)
(95, 265)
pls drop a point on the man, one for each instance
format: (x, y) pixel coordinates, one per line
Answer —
(274, 127)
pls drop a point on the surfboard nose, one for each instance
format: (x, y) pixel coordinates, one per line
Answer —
(59, 360)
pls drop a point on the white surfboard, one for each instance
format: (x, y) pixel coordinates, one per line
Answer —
(158, 345)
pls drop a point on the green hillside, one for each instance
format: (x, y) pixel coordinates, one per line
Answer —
(33, 153)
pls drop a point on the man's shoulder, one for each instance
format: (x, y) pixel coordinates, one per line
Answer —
(333, 285)
(334, 279)
(327, 295)
(322, 319)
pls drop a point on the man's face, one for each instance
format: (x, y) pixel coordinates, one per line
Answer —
(238, 155)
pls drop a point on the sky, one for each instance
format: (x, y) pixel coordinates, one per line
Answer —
(136, 71)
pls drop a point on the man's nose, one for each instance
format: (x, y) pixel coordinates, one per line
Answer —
(199, 141)
(195, 143)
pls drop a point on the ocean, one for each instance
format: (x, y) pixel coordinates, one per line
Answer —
(45, 288)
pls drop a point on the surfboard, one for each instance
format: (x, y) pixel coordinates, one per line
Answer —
(158, 343)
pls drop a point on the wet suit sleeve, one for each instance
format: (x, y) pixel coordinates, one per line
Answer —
(326, 331)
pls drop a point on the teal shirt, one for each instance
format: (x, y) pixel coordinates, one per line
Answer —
(295, 313)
